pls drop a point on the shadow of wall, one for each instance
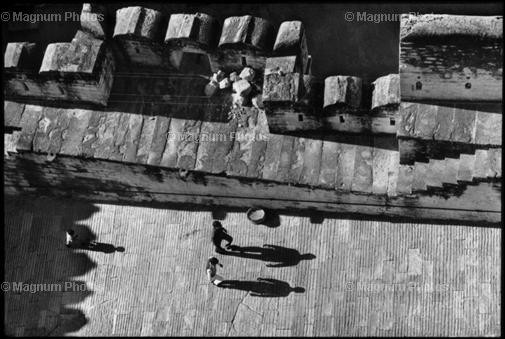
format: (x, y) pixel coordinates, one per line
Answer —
(36, 256)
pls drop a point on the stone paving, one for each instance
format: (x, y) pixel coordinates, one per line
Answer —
(367, 277)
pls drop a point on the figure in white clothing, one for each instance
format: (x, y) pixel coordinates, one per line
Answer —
(212, 271)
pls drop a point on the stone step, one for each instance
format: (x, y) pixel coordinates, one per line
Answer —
(419, 173)
(481, 164)
(465, 169)
(494, 157)
(405, 182)
(448, 169)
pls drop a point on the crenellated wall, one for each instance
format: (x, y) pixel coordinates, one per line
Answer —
(80, 70)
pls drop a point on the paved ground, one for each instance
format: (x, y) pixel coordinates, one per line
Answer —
(367, 278)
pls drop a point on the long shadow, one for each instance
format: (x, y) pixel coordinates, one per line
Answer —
(263, 287)
(278, 256)
(40, 224)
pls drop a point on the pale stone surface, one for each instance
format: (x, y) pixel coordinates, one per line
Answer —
(211, 88)
(342, 90)
(242, 87)
(247, 74)
(386, 91)
(158, 285)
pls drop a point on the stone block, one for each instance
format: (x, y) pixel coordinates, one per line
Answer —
(285, 88)
(247, 32)
(481, 164)
(407, 180)
(363, 170)
(444, 125)
(311, 162)
(488, 129)
(345, 167)
(291, 40)
(247, 74)
(22, 55)
(438, 60)
(138, 23)
(272, 157)
(342, 90)
(494, 160)
(464, 124)
(386, 91)
(194, 30)
(93, 20)
(282, 65)
(329, 159)
(71, 58)
(242, 87)
(465, 169)
(285, 158)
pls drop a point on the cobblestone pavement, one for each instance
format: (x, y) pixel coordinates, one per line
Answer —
(367, 278)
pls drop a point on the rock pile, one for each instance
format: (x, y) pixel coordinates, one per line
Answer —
(245, 88)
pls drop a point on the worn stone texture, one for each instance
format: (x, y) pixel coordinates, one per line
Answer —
(329, 160)
(311, 162)
(247, 31)
(73, 138)
(188, 147)
(386, 91)
(285, 158)
(464, 125)
(345, 169)
(407, 179)
(481, 164)
(79, 56)
(282, 65)
(369, 278)
(160, 135)
(272, 157)
(362, 180)
(13, 112)
(281, 89)
(175, 134)
(342, 90)
(443, 25)
(494, 159)
(29, 122)
(146, 139)
(21, 55)
(488, 129)
(138, 22)
(465, 169)
(196, 30)
(297, 160)
(94, 20)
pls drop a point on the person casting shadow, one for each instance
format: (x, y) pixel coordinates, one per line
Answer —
(281, 256)
(263, 287)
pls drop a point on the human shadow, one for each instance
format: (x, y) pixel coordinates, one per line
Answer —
(102, 247)
(263, 287)
(278, 256)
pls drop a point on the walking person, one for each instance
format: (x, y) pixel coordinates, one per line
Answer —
(212, 271)
(219, 234)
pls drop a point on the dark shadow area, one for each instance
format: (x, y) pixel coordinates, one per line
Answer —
(272, 219)
(103, 247)
(263, 287)
(308, 213)
(167, 94)
(278, 256)
(46, 260)
(383, 141)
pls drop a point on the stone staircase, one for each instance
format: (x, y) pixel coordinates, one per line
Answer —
(484, 165)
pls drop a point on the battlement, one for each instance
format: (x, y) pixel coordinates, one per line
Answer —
(79, 71)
